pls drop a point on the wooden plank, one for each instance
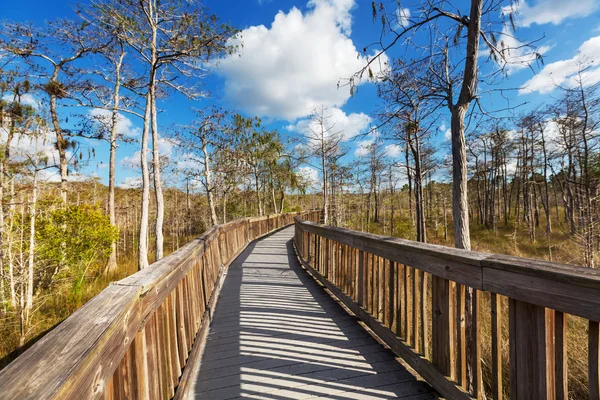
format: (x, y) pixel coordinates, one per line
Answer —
(454, 264)
(594, 359)
(560, 355)
(391, 282)
(361, 280)
(475, 347)
(566, 288)
(415, 307)
(496, 334)
(443, 331)
(531, 351)
(439, 382)
(424, 326)
(78, 357)
(407, 306)
(461, 337)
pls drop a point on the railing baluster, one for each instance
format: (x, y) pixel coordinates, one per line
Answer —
(531, 330)
(461, 336)
(423, 311)
(594, 359)
(560, 358)
(407, 305)
(443, 331)
(496, 333)
(391, 295)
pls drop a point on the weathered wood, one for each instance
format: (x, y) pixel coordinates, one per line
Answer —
(531, 330)
(443, 331)
(461, 336)
(567, 288)
(454, 264)
(594, 359)
(401, 348)
(475, 347)
(131, 340)
(496, 334)
(302, 344)
(560, 355)
(61, 364)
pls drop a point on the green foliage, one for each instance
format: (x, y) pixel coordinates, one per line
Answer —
(69, 242)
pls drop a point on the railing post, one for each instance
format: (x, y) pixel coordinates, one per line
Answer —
(326, 261)
(361, 278)
(443, 331)
(531, 351)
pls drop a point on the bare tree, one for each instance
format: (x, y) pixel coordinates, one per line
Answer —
(175, 39)
(323, 141)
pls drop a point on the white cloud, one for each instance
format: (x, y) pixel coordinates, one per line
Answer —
(165, 149)
(550, 11)
(402, 17)
(125, 126)
(565, 71)
(363, 148)
(24, 145)
(27, 99)
(295, 65)
(310, 176)
(348, 126)
(445, 129)
(516, 54)
(131, 182)
(393, 150)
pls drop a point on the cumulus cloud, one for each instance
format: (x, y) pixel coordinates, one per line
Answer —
(393, 150)
(549, 11)
(131, 182)
(445, 129)
(515, 54)
(564, 72)
(286, 70)
(348, 126)
(24, 145)
(26, 99)
(402, 17)
(125, 126)
(363, 148)
(165, 149)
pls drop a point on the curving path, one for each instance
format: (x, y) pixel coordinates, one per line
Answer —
(276, 334)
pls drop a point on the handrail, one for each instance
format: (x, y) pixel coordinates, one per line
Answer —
(134, 339)
(385, 282)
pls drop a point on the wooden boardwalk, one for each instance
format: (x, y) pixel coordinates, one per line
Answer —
(276, 334)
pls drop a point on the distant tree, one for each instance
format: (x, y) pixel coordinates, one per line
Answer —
(323, 141)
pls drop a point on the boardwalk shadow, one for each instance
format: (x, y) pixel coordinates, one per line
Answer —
(278, 335)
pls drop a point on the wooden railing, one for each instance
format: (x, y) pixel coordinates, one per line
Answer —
(412, 295)
(135, 338)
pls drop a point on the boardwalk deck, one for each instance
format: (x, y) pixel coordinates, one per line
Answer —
(277, 335)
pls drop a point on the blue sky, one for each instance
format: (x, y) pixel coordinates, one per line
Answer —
(295, 52)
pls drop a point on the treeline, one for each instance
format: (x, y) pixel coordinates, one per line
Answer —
(537, 173)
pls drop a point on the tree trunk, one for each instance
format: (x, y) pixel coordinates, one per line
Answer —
(209, 184)
(144, 212)
(61, 143)
(460, 200)
(158, 192)
(111, 265)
